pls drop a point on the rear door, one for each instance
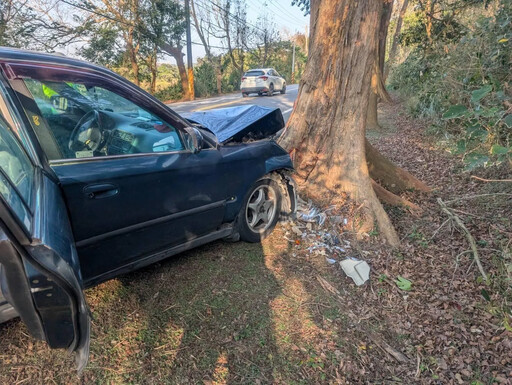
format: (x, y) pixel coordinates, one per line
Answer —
(39, 270)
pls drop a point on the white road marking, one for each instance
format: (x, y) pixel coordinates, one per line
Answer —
(288, 110)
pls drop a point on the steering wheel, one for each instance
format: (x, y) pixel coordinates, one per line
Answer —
(87, 134)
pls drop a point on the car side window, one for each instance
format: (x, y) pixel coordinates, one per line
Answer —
(16, 174)
(88, 120)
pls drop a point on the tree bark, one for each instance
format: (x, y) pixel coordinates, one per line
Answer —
(429, 11)
(218, 75)
(396, 38)
(392, 199)
(378, 88)
(327, 128)
(177, 54)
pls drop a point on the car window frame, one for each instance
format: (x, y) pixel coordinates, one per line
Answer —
(30, 206)
(21, 69)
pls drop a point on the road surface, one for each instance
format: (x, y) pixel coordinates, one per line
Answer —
(284, 102)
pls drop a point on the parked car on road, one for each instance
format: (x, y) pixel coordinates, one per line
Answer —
(262, 81)
(98, 178)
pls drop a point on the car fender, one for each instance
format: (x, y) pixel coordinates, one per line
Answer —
(266, 158)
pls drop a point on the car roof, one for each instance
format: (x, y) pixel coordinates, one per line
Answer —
(259, 69)
(15, 54)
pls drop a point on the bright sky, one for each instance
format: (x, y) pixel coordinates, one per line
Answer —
(288, 19)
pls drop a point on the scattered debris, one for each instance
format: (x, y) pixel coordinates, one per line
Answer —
(307, 212)
(356, 269)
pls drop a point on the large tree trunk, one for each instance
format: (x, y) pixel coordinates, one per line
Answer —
(327, 128)
(429, 12)
(378, 88)
(177, 54)
(218, 76)
(396, 39)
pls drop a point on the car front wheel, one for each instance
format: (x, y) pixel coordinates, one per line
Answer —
(283, 91)
(260, 211)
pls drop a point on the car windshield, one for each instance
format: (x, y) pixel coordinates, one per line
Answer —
(254, 73)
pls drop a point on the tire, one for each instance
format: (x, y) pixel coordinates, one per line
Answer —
(245, 94)
(270, 90)
(283, 91)
(259, 94)
(253, 229)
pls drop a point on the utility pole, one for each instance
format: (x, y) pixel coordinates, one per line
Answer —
(293, 64)
(189, 53)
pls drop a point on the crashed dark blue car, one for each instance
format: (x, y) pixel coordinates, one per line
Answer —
(98, 178)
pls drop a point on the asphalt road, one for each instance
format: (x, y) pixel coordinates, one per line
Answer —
(284, 102)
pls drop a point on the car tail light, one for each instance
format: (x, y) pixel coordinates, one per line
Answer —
(244, 78)
(264, 78)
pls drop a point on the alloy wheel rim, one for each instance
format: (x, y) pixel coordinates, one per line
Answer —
(261, 209)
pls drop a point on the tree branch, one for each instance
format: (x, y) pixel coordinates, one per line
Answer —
(469, 237)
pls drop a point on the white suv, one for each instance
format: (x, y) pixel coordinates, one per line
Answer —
(262, 80)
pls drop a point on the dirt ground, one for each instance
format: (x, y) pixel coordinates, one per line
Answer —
(278, 313)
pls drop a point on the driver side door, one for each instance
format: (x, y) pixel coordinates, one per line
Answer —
(132, 186)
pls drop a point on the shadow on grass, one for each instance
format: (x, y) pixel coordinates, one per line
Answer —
(201, 317)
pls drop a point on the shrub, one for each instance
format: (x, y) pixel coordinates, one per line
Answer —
(463, 86)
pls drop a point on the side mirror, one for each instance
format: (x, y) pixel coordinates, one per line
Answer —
(194, 139)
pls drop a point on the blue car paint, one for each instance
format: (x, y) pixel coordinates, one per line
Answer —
(160, 204)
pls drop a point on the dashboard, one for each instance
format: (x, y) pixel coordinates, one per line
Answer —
(127, 134)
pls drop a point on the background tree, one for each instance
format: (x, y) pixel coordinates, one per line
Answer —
(163, 27)
(36, 25)
(204, 25)
(395, 44)
(459, 78)
(264, 37)
(378, 88)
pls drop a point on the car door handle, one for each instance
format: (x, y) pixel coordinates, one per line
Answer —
(98, 191)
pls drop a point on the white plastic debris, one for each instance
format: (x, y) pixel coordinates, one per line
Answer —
(330, 261)
(356, 269)
(307, 212)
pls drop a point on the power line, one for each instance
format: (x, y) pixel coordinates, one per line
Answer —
(285, 12)
(120, 21)
(234, 16)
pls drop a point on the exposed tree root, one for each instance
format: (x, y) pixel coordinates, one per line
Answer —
(392, 199)
(392, 177)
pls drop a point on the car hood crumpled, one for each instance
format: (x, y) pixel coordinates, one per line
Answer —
(239, 124)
